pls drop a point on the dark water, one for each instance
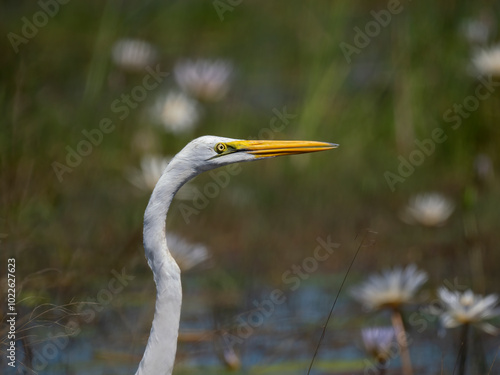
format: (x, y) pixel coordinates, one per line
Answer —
(266, 337)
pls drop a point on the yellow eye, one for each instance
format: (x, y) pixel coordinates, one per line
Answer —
(220, 148)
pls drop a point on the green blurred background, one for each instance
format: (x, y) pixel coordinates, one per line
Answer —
(67, 236)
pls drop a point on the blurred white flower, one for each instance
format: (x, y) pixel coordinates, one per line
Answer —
(152, 167)
(391, 288)
(477, 31)
(483, 167)
(431, 209)
(187, 255)
(177, 112)
(205, 80)
(468, 308)
(147, 176)
(231, 359)
(133, 54)
(487, 62)
(378, 342)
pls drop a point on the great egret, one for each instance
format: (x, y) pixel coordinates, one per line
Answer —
(200, 155)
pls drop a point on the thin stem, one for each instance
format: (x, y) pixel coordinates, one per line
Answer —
(494, 359)
(381, 367)
(463, 351)
(399, 329)
(335, 301)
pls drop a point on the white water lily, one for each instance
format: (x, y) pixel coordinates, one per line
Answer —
(177, 112)
(187, 255)
(133, 54)
(152, 167)
(392, 288)
(483, 167)
(468, 308)
(206, 80)
(487, 62)
(477, 31)
(431, 209)
(378, 341)
(145, 178)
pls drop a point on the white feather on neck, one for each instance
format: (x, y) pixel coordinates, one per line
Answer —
(159, 355)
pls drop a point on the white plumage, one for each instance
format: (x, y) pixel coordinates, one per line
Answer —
(201, 154)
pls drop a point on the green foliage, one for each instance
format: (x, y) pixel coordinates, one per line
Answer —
(286, 54)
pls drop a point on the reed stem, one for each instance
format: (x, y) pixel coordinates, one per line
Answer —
(463, 349)
(399, 329)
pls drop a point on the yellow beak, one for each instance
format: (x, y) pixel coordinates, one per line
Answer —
(278, 148)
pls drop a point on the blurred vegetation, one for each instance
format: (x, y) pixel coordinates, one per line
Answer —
(286, 54)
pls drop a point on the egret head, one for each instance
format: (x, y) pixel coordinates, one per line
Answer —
(209, 152)
(199, 155)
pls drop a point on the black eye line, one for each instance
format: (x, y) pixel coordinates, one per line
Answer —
(227, 151)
